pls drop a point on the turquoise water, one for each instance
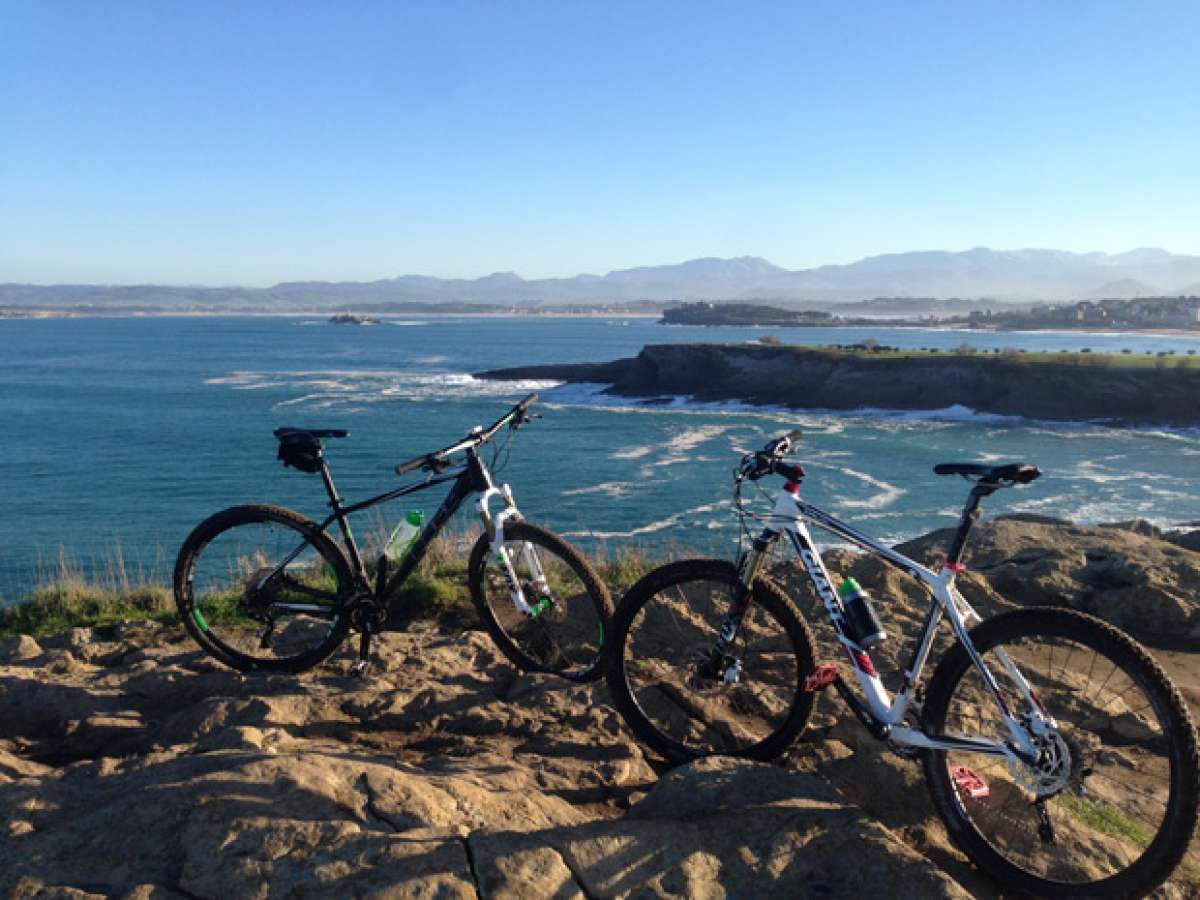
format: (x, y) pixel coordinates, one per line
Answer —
(123, 433)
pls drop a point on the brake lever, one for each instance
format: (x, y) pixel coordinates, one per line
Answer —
(436, 464)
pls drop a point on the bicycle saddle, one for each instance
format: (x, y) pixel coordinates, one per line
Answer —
(318, 433)
(1019, 473)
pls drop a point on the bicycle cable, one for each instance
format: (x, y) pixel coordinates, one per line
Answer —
(503, 449)
(744, 511)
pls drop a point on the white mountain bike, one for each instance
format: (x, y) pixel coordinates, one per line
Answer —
(1060, 756)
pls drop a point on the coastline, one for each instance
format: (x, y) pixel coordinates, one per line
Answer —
(9, 313)
(19, 313)
(1083, 389)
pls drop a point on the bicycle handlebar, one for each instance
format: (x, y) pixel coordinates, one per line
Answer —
(769, 460)
(515, 418)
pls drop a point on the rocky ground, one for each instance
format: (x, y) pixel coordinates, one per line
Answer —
(131, 765)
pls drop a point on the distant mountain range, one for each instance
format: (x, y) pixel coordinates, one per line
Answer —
(981, 274)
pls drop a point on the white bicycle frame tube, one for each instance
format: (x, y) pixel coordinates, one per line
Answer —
(791, 516)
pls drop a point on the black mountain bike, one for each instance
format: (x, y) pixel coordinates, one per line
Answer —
(1060, 756)
(264, 588)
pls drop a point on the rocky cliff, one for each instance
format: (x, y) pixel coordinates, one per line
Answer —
(808, 378)
(132, 766)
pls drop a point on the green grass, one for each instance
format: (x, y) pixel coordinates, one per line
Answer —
(67, 599)
(1078, 359)
(1104, 818)
(71, 604)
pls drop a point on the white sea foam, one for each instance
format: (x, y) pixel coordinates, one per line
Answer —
(832, 421)
(338, 387)
(608, 488)
(235, 378)
(651, 527)
(694, 437)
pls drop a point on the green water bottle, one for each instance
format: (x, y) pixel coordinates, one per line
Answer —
(864, 626)
(404, 535)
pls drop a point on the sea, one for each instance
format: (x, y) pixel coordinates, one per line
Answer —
(119, 435)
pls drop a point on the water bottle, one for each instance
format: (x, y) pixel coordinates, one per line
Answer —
(864, 626)
(404, 535)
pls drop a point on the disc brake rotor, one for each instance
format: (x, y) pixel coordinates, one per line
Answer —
(1052, 772)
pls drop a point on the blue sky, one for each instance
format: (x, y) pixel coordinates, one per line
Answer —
(250, 142)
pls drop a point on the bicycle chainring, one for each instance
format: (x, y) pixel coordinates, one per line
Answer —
(366, 614)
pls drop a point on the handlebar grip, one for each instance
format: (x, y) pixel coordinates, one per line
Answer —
(789, 471)
(405, 467)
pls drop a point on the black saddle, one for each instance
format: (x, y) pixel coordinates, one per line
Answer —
(301, 447)
(316, 433)
(1016, 473)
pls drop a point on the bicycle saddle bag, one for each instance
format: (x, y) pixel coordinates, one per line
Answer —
(302, 451)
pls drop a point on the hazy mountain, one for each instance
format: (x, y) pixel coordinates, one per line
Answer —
(995, 275)
(1124, 288)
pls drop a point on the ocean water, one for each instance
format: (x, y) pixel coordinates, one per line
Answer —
(121, 434)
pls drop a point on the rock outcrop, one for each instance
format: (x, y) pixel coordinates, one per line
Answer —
(813, 378)
(133, 766)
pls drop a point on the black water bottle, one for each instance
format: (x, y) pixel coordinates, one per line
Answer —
(864, 626)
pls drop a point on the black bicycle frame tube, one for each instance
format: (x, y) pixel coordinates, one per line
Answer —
(473, 477)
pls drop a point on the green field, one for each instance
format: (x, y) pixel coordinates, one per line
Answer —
(1168, 360)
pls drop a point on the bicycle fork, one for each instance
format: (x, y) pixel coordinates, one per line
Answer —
(494, 527)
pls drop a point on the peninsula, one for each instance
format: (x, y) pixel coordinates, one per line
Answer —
(1118, 389)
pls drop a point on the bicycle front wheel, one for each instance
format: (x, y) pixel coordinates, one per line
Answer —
(1110, 807)
(676, 695)
(262, 587)
(563, 632)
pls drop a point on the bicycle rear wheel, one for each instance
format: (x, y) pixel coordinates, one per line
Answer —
(262, 587)
(1111, 807)
(564, 634)
(662, 681)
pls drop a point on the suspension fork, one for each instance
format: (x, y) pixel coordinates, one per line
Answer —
(494, 528)
(749, 567)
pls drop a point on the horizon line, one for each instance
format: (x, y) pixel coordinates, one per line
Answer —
(512, 273)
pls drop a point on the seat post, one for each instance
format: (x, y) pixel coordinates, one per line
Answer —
(970, 515)
(334, 500)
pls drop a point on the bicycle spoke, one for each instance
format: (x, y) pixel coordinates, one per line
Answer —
(720, 702)
(1100, 820)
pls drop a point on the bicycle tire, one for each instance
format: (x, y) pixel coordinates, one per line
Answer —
(745, 737)
(1103, 771)
(568, 638)
(212, 574)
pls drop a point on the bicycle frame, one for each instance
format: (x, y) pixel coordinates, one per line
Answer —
(474, 477)
(884, 715)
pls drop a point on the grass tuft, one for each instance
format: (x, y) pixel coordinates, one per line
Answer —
(67, 598)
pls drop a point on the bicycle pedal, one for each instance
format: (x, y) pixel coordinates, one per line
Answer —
(969, 783)
(820, 678)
